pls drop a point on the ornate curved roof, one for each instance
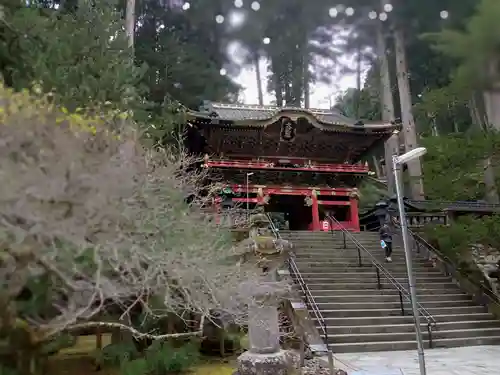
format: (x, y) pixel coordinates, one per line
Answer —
(261, 116)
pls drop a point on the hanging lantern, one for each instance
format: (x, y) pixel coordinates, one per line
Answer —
(260, 192)
(314, 193)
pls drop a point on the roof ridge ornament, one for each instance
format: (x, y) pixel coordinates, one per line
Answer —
(214, 105)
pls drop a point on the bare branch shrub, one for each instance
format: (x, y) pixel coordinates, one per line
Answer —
(98, 220)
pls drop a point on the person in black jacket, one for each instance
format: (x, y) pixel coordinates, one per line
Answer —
(386, 241)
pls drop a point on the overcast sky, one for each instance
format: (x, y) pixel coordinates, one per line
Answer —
(321, 95)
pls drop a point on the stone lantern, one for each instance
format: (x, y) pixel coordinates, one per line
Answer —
(264, 356)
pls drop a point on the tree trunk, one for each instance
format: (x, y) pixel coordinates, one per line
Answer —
(357, 98)
(492, 108)
(130, 22)
(480, 122)
(409, 131)
(277, 80)
(387, 101)
(307, 91)
(434, 128)
(297, 82)
(377, 167)
(489, 182)
(258, 77)
(491, 96)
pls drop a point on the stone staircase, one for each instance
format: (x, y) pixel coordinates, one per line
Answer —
(359, 317)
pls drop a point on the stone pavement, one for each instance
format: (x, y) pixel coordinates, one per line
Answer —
(472, 360)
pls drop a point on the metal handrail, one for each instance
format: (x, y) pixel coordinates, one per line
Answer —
(297, 278)
(309, 299)
(449, 267)
(382, 271)
(275, 231)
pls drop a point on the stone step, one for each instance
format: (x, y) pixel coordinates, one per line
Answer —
(392, 291)
(353, 254)
(340, 239)
(365, 268)
(420, 278)
(378, 346)
(365, 262)
(307, 233)
(399, 319)
(331, 247)
(323, 239)
(368, 270)
(347, 254)
(354, 261)
(410, 327)
(353, 257)
(357, 286)
(339, 278)
(368, 312)
(408, 336)
(393, 305)
(361, 317)
(338, 245)
(349, 274)
(392, 297)
(307, 265)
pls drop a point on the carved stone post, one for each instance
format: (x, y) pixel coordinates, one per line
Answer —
(264, 356)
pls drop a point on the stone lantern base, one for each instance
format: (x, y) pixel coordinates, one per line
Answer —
(265, 364)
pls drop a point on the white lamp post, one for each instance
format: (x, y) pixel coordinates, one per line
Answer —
(248, 194)
(397, 162)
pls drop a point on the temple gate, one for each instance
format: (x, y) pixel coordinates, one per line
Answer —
(303, 163)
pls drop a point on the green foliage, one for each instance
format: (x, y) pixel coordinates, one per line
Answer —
(80, 54)
(455, 240)
(370, 194)
(85, 66)
(445, 106)
(454, 169)
(4, 370)
(363, 104)
(475, 48)
(57, 343)
(160, 358)
(137, 366)
(116, 354)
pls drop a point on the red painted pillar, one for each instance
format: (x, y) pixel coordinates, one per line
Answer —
(315, 212)
(354, 213)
